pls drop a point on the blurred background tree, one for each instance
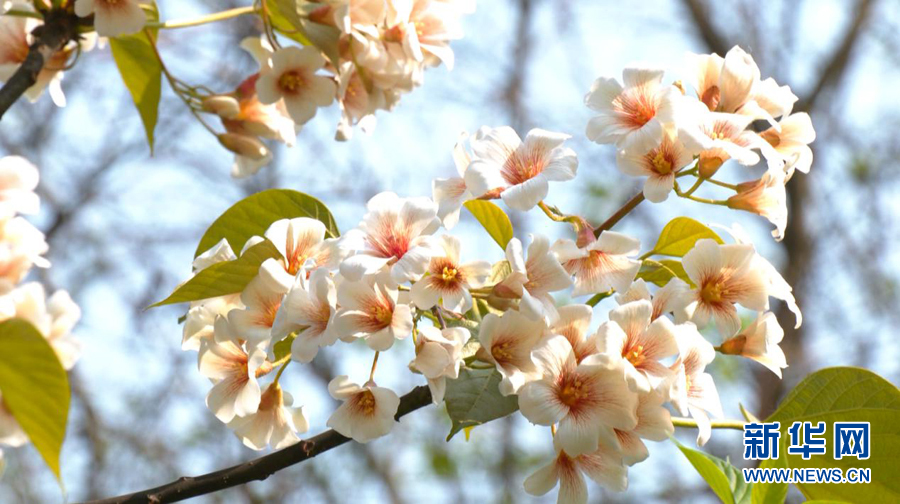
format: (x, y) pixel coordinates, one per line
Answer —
(122, 228)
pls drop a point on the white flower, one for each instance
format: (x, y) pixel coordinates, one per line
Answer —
(448, 280)
(367, 412)
(303, 239)
(424, 27)
(261, 298)
(234, 372)
(588, 400)
(723, 136)
(18, 179)
(765, 196)
(659, 165)
(113, 17)
(654, 423)
(53, 317)
(777, 287)
(450, 193)
(439, 356)
(604, 466)
(519, 171)
(369, 309)
(250, 154)
(693, 391)
(667, 299)
(395, 231)
(21, 247)
(350, 13)
(629, 333)
(507, 342)
(792, 142)
(308, 309)
(292, 77)
(573, 323)
(725, 275)
(631, 117)
(534, 279)
(759, 341)
(274, 423)
(605, 263)
(358, 104)
(201, 317)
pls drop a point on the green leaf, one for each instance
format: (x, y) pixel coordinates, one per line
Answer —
(141, 71)
(846, 394)
(770, 493)
(725, 480)
(680, 235)
(291, 19)
(253, 215)
(474, 399)
(34, 387)
(223, 278)
(493, 219)
(600, 296)
(283, 348)
(660, 272)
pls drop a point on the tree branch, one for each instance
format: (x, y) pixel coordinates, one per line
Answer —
(620, 213)
(58, 29)
(259, 468)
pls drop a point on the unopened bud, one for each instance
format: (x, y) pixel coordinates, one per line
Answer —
(734, 346)
(244, 145)
(585, 233)
(222, 105)
(708, 166)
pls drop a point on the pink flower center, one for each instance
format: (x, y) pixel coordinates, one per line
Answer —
(522, 165)
(636, 106)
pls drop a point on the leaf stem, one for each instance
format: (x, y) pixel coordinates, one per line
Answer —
(374, 365)
(202, 20)
(719, 183)
(281, 370)
(715, 424)
(24, 14)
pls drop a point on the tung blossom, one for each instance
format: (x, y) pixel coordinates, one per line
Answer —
(632, 116)
(654, 423)
(308, 309)
(261, 298)
(369, 309)
(18, 179)
(507, 342)
(659, 165)
(767, 197)
(629, 333)
(519, 171)
(759, 341)
(450, 193)
(302, 244)
(439, 356)
(448, 280)
(603, 264)
(395, 232)
(587, 400)
(693, 390)
(667, 299)
(236, 391)
(604, 466)
(367, 412)
(275, 422)
(792, 142)
(113, 18)
(292, 77)
(533, 279)
(572, 324)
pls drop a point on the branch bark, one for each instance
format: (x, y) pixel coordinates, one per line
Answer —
(58, 29)
(259, 468)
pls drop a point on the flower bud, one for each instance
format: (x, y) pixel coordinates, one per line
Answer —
(766, 197)
(244, 145)
(222, 105)
(709, 165)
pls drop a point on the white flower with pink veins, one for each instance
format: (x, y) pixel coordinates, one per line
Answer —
(439, 356)
(395, 232)
(640, 342)
(667, 299)
(632, 117)
(604, 466)
(608, 262)
(693, 390)
(308, 310)
(367, 412)
(519, 171)
(533, 279)
(573, 323)
(275, 423)
(759, 341)
(261, 298)
(659, 164)
(587, 400)
(292, 77)
(448, 280)
(21, 247)
(451, 193)
(236, 391)
(425, 28)
(113, 17)
(370, 309)
(18, 179)
(654, 423)
(507, 342)
(302, 244)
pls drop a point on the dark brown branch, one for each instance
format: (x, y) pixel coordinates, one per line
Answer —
(58, 29)
(621, 212)
(260, 468)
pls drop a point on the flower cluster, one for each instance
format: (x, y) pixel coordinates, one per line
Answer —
(380, 51)
(21, 248)
(603, 385)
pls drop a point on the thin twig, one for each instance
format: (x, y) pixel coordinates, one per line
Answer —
(620, 213)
